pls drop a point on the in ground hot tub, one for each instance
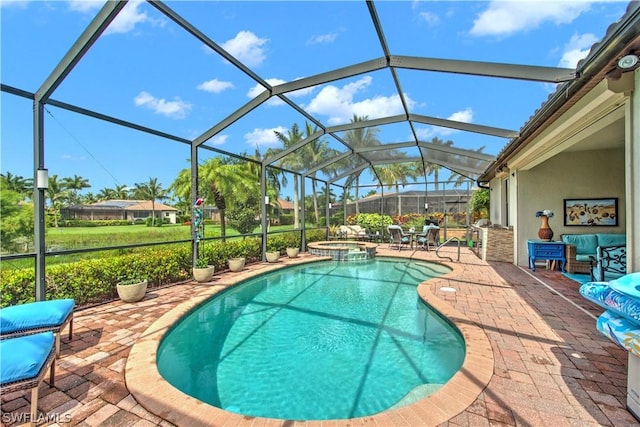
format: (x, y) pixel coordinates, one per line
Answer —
(344, 250)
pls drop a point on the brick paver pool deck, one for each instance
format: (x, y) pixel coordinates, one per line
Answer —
(547, 363)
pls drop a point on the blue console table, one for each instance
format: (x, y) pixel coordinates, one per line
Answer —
(552, 251)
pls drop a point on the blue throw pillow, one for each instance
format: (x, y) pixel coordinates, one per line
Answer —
(629, 284)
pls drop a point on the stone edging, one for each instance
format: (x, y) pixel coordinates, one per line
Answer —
(158, 396)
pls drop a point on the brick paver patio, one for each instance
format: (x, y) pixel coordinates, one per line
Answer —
(551, 366)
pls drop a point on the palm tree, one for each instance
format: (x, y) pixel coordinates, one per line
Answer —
(150, 190)
(19, 184)
(223, 181)
(275, 178)
(356, 138)
(394, 174)
(57, 194)
(181, 189)
(107, 194)
(74, 185)
(122, 192)
(293, 162)
(311, 154)
(88, 198)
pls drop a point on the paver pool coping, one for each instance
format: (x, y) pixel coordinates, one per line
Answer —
(158, 396)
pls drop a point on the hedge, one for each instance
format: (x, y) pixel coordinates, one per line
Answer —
(94, 280)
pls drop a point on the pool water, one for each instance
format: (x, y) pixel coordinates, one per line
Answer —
(326, 340)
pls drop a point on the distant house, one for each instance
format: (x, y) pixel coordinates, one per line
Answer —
(131, 210)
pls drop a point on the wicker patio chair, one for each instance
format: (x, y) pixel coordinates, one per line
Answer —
(25, 360)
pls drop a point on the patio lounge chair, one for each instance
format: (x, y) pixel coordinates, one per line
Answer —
(35, 317)
(25, 360)
(398, 237)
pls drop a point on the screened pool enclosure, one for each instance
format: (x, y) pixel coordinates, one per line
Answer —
(330, 161)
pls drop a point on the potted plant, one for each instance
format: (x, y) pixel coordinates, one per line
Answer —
(293, 252)
(236, 264)
(272, 256)
(131, 290)
(203, 271)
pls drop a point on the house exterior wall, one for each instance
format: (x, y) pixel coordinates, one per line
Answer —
(582, 174)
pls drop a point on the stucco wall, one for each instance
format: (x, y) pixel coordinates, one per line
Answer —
(580, 174)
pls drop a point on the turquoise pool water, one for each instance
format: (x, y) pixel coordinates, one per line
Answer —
(326, 340)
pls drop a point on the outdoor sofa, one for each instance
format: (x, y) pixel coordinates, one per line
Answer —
(581, 252)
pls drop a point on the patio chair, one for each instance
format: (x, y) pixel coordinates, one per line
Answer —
(35, 317)
(430, 237)
(398, 237)
(25, 360)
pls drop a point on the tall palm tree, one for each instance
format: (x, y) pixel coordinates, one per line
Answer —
(19, 184)
(223, 181)
(394, 174)
(275, 178)
(107, 194)
(57, 194)
(180, 188)
(122, 192)
(151, 190)
(361, 137)
(314, 152)
(293, 162)
(88, 198)
(74, 185)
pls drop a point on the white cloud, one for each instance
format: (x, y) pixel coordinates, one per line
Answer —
(504, 18)
(338, 103)
(430, 18)
(218, 139)
(577, 49)
(14, 3)
(323, 38)
(247, 48)
(215, 86)
(176, 109)
(129, 17)
(262, 137)
(427, 133)
(85, 6)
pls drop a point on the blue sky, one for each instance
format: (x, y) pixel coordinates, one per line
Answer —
(147, 70)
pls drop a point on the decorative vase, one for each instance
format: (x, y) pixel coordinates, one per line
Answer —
(132, 291)
(545, 233)
(236, 264)
(272, 256)
(203, 274)
(293, 252)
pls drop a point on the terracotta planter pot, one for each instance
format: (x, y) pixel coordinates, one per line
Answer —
(203, 274)
(236, 264)
(293, 252)
(272, 256)
(132, 292)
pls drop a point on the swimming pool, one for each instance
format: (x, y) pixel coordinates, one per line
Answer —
(320, 341)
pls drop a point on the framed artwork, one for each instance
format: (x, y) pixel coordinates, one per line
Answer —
(591, 212)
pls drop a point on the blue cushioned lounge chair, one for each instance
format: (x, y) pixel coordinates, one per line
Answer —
(25, 360)
(35, 317)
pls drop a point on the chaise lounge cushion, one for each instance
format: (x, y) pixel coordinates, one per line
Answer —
(610, 299)
(24, 357)
(619, 330)
(36, 315)
(628, 284)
